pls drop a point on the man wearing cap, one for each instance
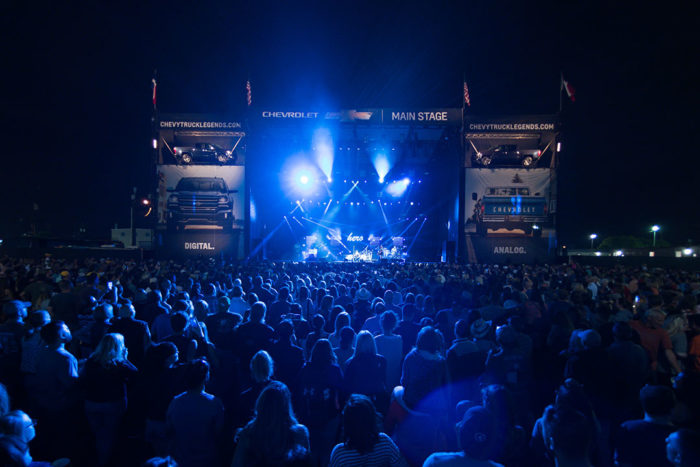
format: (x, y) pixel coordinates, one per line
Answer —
(362, 307)
(477, 437)
(480, 330)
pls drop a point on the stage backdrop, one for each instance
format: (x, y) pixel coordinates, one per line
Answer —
(510, 214)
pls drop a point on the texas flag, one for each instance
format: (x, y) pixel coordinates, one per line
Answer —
(466, 95)
(570, 91)
(153, 85)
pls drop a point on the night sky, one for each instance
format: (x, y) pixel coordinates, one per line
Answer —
(76, 92)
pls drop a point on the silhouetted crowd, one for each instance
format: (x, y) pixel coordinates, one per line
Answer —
(205, 363)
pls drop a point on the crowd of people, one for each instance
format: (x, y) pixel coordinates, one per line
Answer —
(209, 363)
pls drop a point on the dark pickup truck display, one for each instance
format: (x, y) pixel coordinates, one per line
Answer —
(510, 207)
(508, 154)
(200, 201)
(203, 153)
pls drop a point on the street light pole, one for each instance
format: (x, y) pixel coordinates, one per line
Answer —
(593, 237)
(654, 229)
(131, 225)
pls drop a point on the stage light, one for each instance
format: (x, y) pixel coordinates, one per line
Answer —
(411, 203)
(303, 179)
(398, 188)
(323, 149)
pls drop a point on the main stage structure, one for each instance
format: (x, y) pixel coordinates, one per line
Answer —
(357, 185)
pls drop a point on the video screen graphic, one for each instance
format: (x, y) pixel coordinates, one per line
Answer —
(201, 197)
(509, 202)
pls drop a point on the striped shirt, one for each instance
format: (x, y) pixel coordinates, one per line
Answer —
(384, 454)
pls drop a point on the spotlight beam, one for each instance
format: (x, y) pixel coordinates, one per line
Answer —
(339, 240)
(264, 241)
(402, 232)
(386, 221)
(335, 209)
(327, 206)
(407, 227)
(290, 227)
(416, 236)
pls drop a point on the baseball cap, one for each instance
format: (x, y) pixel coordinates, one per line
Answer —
(477, 432)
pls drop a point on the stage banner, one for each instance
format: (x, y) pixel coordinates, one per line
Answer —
(511, 124)
(510, 250)
(424, 117)
(202, 243)
(194, 139)
(513, 208)
(201, 197)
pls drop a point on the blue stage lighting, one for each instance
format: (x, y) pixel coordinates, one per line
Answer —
(322, 143)
(382, 165)
(304, 180)
(398, 188)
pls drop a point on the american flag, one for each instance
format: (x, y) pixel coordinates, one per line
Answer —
(153, 85)
(249, 93)
(466, 95)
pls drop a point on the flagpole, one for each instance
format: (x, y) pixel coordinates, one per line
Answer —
(464, 80)
(561, 88)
